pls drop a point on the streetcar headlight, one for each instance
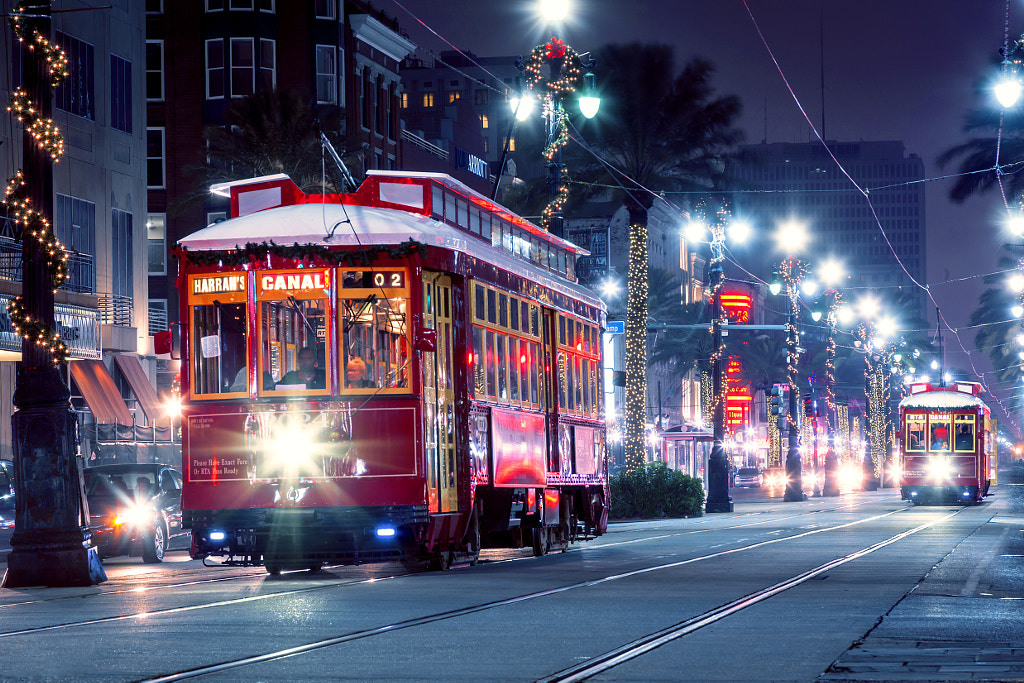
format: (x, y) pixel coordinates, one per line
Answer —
(217, 535)
(938, 469)
(386, 532)
(292, 451)
(850, 476)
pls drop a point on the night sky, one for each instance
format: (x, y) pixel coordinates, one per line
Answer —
(893, 70)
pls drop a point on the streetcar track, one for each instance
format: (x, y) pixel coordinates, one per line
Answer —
(632, 650)
(441, 616)
(848, 506)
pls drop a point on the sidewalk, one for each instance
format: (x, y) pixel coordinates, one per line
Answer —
(965, 620)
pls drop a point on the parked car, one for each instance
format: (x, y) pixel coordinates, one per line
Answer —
(6, 491)
(749, 476)
(134, 509)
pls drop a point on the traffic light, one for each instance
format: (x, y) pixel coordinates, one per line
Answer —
(811, 408)
(776, 401)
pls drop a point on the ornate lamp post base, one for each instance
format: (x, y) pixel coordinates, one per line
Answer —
(51, 542)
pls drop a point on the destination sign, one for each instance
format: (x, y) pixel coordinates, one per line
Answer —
(308, 281)
(218, 284)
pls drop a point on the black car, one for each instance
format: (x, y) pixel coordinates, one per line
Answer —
(134, 509)
(6, 492)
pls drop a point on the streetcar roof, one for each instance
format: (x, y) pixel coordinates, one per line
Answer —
(944, 400)
(353, 225)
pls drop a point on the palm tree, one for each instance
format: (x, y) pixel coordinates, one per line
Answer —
(269, 132)
(661, 130)
(997, 331)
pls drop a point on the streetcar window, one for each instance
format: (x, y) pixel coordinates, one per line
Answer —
(939, 434)
(437, 202)
(474, 220)
(485, 226)
(513, 368)
(491, 364)
(502, 376)
(293, 350)
(915, 441)
(492, 312)
(536, 393)
(963, 441)
(513, 314)
(563, 382)
(219, 348)
(480, 311)
(373, 331)
(503, 310)
(524, 371)
(479, 387)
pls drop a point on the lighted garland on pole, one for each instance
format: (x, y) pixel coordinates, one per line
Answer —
(255, 252)
(33, 224)
(792, 271)
(571, 78)
(830, 357)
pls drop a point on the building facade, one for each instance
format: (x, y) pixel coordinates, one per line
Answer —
(99, 215)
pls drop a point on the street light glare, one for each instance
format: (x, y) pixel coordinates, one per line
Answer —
(694, 231)
(1015, 224)
(809, 287)
(792, 236)
(1007, 91)
(1016, 282)
(867, 307)
(831, 272)
(521, 107)
(554, 10)
(739, 231)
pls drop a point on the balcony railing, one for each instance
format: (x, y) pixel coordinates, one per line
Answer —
(116, 309)
(157, 319)
(81, 267)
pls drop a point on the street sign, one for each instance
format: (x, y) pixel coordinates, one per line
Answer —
(615, 327)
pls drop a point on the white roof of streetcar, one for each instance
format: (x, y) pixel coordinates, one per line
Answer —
(358, 225)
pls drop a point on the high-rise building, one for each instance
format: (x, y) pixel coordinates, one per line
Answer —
(776, 182)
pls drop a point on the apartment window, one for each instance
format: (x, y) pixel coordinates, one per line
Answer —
(214, 69)
(454, 95)
(428, 99)
(154, 70)
(155, 158)
(156, 240)
(241, 4)
(367, 101)
(485, 146)
(120, 94)
(485, 122)
(243, 67)
(325, 9)
(154, 6)
(480, 97)
(75, 94)
(214, 5)
(326, 74)
(511, 144)
(74, 224)
(266, 6)
(405, 100)
(268, 64)
(121, 243)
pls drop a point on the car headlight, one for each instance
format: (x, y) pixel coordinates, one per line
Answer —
(135, 515)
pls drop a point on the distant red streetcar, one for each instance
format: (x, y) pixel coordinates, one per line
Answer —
(406, 372)
(946, 439)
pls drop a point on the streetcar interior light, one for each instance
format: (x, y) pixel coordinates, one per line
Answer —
(386, 532)
(217, 535)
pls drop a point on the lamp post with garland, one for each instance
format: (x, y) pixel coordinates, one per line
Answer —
(50, 545)
(556, 71)
(833, 298)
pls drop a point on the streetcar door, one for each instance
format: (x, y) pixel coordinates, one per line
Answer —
(439, 396)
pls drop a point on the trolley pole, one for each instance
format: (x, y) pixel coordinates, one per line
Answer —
(50, 545)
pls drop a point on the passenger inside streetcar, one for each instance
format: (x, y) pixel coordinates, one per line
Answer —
(307, 373)
(964, 438)
(940, 439)
(355, 374)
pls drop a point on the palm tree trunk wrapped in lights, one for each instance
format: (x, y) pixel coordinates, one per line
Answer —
(636, 342)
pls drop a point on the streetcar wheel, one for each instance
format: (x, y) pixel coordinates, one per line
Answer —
(540, 542)
(441, 561)
(273, 569)
(154, 544)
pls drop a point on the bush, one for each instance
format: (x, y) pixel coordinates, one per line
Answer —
(655, 491)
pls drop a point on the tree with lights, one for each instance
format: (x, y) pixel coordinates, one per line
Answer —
(665, 131)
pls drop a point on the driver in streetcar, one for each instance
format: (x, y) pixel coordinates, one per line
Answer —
(307, 373)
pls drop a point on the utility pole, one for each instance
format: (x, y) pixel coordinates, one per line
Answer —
(51, 542)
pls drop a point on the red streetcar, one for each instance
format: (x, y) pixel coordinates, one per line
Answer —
(947, 436)
(406, 372)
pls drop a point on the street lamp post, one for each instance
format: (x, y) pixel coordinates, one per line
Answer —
(793, 271)
(718, 462)
(50, 545)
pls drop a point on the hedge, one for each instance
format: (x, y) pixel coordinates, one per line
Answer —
(655, 491)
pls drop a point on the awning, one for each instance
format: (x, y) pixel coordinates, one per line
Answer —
(132, 370)
(100, 392)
